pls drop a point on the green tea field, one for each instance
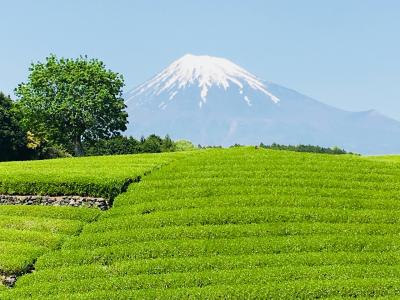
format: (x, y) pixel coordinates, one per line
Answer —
(239, 223)
(27, 232)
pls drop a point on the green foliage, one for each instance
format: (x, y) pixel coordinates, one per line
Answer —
(306, 148)
(41, 148)
(152, 144)
(167, 145)
(233, 278)
(112, 146)
(184, 145)
(210, 263)
(67, 100)
(129, 145)
(129, 288)
(236, 223)
(12, 137)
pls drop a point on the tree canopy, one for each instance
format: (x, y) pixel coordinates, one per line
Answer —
(68, 101)
(12, 137)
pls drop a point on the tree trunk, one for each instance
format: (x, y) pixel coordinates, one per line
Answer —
(78, 149)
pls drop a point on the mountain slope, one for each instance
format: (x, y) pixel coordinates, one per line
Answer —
(212, 101)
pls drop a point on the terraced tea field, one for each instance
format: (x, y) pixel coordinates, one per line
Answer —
(236, 223)
(27, 232)
(104, 176)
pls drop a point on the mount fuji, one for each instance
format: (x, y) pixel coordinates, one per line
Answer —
(212, 101)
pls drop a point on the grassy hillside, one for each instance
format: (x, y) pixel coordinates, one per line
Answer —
(237, 223)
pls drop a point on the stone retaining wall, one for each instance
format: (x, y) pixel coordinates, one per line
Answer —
(75, 201)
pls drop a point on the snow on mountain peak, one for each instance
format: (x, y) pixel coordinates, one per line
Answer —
(205, 72)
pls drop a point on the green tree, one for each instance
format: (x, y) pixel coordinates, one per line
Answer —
(152, 144)
(168, 144)
(184, 145)
(68, 101)
(12, 137)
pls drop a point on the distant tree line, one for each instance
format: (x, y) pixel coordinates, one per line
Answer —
(306, 148)
(130, 145)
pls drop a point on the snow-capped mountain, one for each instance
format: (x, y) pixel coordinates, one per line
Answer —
(205, 72)
(212, 101)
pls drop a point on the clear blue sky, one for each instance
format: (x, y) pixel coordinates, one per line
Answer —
(343, 52)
